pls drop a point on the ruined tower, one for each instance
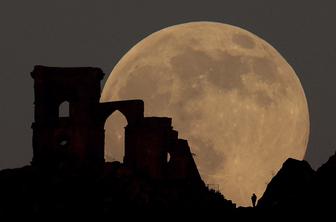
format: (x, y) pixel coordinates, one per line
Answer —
(76, 141)
(71, 139)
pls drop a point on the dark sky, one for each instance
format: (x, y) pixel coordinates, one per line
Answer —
(77, 33)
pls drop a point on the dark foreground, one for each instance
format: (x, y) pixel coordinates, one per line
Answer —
(295, 190)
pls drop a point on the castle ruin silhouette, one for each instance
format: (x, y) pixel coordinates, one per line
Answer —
(77, 141)
(68, 173)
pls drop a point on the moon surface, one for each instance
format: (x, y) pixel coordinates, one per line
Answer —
(230, 94)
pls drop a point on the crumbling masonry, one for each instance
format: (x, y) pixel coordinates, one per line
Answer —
(77, 141)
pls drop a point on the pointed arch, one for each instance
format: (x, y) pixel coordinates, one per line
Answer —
(114, 148)
(64, 109)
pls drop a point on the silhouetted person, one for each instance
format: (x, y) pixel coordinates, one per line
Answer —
(254, 199)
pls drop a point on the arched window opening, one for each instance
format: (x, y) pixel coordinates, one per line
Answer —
(115, 137)
(64, 109)
(168, 157)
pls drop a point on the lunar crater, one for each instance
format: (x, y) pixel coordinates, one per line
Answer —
(244, 41)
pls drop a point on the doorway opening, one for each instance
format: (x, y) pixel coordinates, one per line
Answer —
(114, 149)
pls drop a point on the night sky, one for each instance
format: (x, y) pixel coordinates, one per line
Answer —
(77, 33)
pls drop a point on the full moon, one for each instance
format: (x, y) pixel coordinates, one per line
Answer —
(230, 94)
